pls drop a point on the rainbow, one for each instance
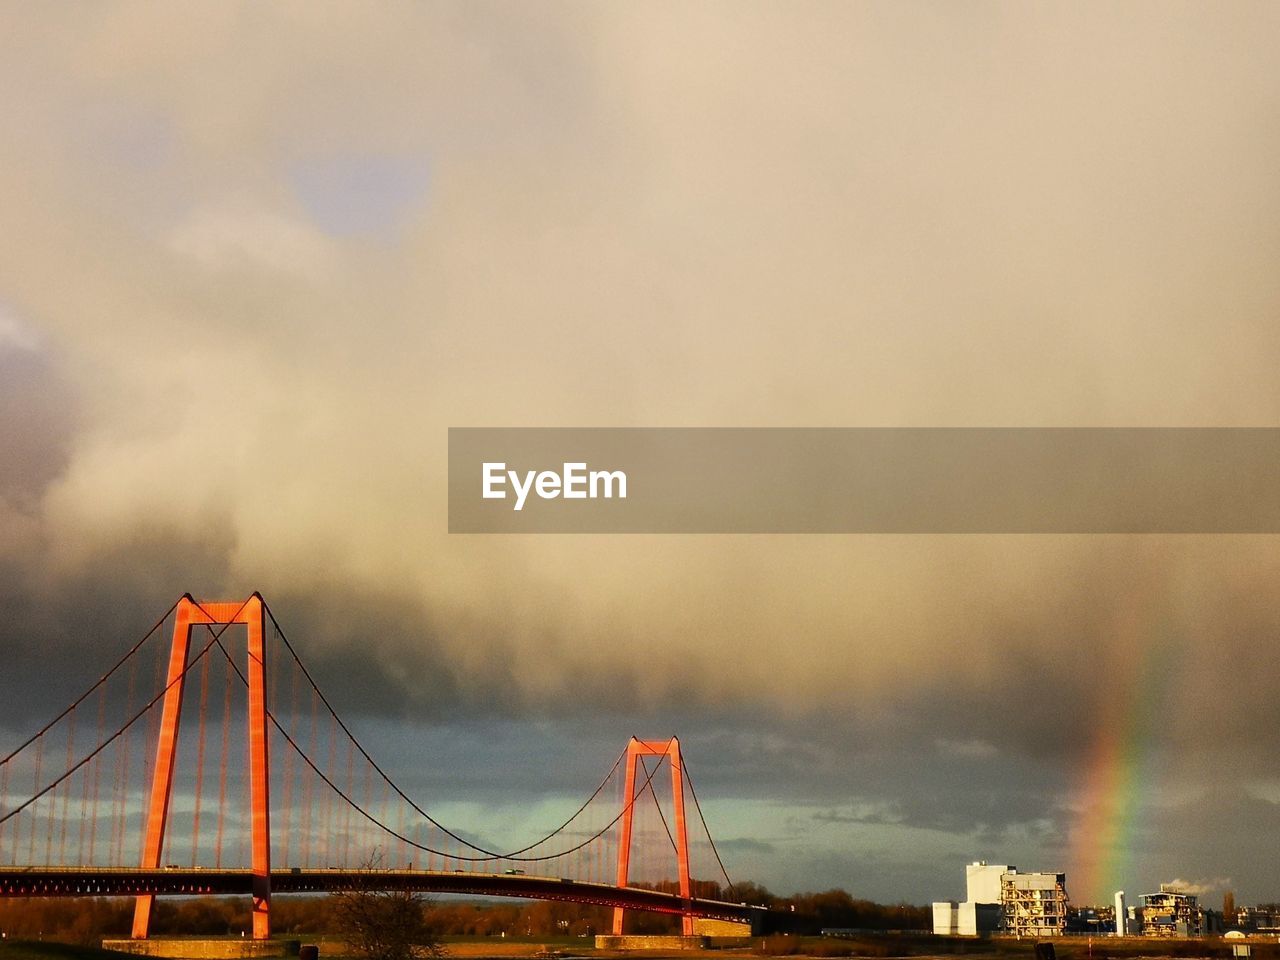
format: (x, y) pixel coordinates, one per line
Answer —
(1120, 767)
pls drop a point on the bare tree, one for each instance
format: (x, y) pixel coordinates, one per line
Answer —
(381, 924)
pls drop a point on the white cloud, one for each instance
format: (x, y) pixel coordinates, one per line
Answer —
(1198, 888)
(16, 335)
(237, 236)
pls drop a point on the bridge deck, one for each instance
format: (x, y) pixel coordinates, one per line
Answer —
(188, 881)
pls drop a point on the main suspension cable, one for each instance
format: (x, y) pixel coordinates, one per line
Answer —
(705, 829)
(84, 696)
(106, 743)
(653, 793)
(405, 797)
(489, 854)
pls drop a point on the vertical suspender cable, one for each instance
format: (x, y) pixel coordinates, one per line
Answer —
(83, 818)
(329, 847)
(35, 786)
(308, 779)
(693, 793)
(382, 815)
(113, 816)
(242, 833)
(4, 799)
(97, 776)
(366, 829)
(223, 756)
(642, 817)
(597, 867)
(346, 807)
(151, 729)
(84, 815)
(200, 738)
(52, 808)
(122, 770)
(153, 720)
(66, 790)
(286, 807)
(404, 847)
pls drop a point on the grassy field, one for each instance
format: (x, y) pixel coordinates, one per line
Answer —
(918, 946)
(1000, 948)
(47, 950)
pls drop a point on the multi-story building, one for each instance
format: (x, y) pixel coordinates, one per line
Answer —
(1171, 913)
(1033, 904)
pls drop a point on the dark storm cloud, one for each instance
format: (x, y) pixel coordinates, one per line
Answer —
(733, 845)
(1214, 835)
(870, 816)
(60, 636)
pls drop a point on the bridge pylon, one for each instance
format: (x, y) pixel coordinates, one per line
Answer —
(670, 751)
(190, 614)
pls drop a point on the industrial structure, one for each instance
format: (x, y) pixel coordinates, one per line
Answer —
(1260, 919)
(999, 899)
(1033, 904)
(1171, 913)
(1128, 920)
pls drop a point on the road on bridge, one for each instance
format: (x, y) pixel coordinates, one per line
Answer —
(123, 881)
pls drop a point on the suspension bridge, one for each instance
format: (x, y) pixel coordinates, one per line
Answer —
(216, 765)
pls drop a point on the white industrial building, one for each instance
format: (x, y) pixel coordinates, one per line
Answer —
(999, 899)
(966, 919)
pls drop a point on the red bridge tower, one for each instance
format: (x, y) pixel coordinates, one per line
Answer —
(190, 614)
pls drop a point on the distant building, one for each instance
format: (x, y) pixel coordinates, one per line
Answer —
(979, 912)
(965, 919)
(1171, 913)
(1264, 918)
(999, 899)
(1094, 921)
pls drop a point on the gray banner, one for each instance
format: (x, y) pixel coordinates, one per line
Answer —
(864, 480)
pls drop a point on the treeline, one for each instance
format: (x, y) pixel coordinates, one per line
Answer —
(813, 912)
(88, 920)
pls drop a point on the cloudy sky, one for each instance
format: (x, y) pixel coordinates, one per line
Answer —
(256, 259)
